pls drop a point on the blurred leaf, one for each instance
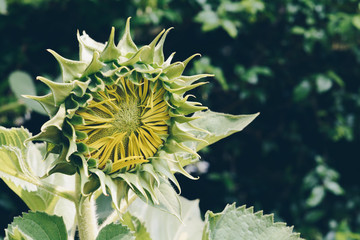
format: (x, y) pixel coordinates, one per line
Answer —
(323, 83)
(230, 28)
(314, 215)
(251, 75)
(249, 6)
(344, 232)
(115, 231)
(298, 30)
(336, 78)
(22, 84)
(209, 20)
(203, 65)
(333, 187)
(253, 6)
(302, 91)
(356, 21)
(3, 7)
(316, 196)
(36, 225)
(170, 227)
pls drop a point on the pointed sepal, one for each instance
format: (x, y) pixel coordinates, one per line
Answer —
(126, 44)
(111, 52)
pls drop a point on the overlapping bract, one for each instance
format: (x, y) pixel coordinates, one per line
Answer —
(102, 66)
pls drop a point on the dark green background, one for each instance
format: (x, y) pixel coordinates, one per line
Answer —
(296, 62)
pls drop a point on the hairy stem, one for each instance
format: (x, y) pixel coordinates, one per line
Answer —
(85, 214)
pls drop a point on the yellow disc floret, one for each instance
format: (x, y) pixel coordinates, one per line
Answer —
(125, 124)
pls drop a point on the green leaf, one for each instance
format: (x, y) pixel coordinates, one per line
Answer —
(209, 19)
(243, 223)
(218, 125)
(230, 27)
(301, 91)
(12, 156)
(37, 225)
(115, 232)
(323, 83)
(333, 187)
(356, 21)
(316, 196)
(190, 226)
(135, 225)
(204, 65)
(22, 84)
(168, 199)
(3, 7)
(22, 166)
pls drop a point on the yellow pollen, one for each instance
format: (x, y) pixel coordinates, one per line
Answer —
(125, 124)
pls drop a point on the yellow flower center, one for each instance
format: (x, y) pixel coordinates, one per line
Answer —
(125, 124)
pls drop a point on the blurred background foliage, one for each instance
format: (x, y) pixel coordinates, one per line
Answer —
(295, 61)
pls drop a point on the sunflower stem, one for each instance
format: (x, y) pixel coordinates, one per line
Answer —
(85, 214)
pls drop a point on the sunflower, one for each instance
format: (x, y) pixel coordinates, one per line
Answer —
(126, 125)
(117, 118)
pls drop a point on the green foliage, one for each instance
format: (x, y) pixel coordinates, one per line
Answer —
(135, 225)
(23, 165)
(115, 231)
(228, 15)
(344, 232)
(218, 126)
(320, 180)
(3, 7)
(36, 225)
(190, 226)
(308, 94)
(243, 223)
(22, 84)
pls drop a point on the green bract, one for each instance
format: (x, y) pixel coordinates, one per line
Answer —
(121, 119)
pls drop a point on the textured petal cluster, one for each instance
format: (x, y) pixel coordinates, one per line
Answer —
(116, 117)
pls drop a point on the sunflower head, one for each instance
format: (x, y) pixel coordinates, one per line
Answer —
(117, 117)
(125, 125)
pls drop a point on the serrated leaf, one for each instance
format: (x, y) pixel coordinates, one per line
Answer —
(135, 225)
(243, 223)
(189, 228)
(115, 232)
(37, 225)
(218, 126)
(22, 84)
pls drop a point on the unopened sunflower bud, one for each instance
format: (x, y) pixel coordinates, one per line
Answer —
(116, 116)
